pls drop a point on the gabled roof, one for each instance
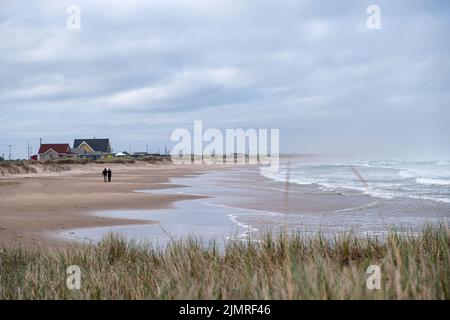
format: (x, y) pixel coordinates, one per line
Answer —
(57, 147)
(101, 145)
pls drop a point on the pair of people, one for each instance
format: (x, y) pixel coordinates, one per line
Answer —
(107, 175)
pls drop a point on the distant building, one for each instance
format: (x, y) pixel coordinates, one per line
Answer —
(51, 151)
(139, 154)
(92, 149)
(120, 154)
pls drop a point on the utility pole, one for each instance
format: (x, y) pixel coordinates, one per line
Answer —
(10, 154)
(28, 150)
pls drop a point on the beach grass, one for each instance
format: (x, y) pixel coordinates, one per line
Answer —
(412, 265)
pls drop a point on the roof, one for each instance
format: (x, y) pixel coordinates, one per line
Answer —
(57, 147)
(101, 145)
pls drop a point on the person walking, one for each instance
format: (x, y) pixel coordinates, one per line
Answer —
(105, 174)
(109, 175)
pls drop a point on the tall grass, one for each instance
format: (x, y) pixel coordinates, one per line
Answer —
(413, 266)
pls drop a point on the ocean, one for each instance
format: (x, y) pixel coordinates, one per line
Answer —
(423, 180)
(305, 196)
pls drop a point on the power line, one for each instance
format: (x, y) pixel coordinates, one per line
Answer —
(3, 142)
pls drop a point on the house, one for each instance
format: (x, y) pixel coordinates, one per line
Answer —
(93, 149)
(51, 151)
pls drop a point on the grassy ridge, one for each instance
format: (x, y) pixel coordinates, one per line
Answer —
(63, 164)
(16, 168)
(412, 266)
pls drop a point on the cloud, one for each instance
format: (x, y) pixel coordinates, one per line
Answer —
(139, 69)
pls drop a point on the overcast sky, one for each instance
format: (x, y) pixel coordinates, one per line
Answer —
(136, 70)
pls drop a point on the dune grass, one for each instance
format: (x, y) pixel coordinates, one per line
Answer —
(17, 167)
(413, 266)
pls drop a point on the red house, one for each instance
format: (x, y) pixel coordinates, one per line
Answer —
(54, 151)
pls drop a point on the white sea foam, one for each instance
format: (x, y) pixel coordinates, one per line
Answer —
(444, 200)
(365, 206)
(430, 181)
(406, 174)
(256, 211)
(381, 179)
(379, 193)
(248, 228)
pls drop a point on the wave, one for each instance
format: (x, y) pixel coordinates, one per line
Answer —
(431, 181)
(249, 229)
(358, 208)
(326, 186)
(445, 200)
(246, 210)
(406, 174)
(384, 179)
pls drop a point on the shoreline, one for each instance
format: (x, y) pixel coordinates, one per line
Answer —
(31, 206)
(239, 202)
(77, 204)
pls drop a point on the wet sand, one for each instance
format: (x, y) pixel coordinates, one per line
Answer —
(33, 205)
(156, 203)
(239, 203)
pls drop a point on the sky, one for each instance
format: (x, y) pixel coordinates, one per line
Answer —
(137, 70)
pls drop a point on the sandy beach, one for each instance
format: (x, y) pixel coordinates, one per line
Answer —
(33, 204)
(42, 215)
(240, 203)
(145, 202)
(50, 220)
